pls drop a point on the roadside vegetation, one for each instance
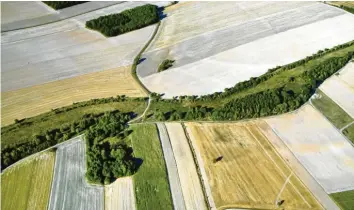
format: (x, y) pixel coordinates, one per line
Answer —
(62, 4)
(346, 5)
(344, 199)
(331, 110)
(126, 21)
(166, 64)
(28, 184)
(150, 181)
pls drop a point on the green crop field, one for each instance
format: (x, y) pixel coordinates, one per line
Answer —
(331, 110)
(349, 132)
(27, 185)
(344, 199)
(150, 181)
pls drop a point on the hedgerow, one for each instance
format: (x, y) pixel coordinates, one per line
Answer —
(62, 4)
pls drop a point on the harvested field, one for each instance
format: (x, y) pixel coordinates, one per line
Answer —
(70, 189)
(210, 56)
(319, 147)
(151, 185)
(347, 74)
(340, 92)
(120, 195)
(15, 11)
(27, 185)
(172, 170)
(31, 101)
(344, 199)
(336, 115)
(187, 172)
(244, 150)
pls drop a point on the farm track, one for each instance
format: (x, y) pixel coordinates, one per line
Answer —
(69, 187)
(187, 172)
(172, 170)
(120, 195)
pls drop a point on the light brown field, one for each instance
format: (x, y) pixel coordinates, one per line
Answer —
(251, 174)
(31, 101)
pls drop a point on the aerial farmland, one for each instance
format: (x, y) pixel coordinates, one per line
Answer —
(119, 105)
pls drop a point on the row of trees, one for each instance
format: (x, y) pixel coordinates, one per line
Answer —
(126, 21)
(108, 160)
(62, 4)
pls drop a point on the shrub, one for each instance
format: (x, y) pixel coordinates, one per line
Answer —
(166, 64)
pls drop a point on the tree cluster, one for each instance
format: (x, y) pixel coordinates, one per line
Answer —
(107, 160)
(62, 4)
(126, 21)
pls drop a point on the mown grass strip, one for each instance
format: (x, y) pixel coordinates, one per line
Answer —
(150, 181)
(336, 115)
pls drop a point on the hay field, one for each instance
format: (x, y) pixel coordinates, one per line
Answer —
(70, 189)
(251, 173)
(340, 92)
(120, 195)
(187, 171)
(27, 185)
(15, 11)
(215, 55)
(319, 147)
(31, 101)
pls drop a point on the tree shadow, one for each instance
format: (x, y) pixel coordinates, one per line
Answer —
(141, 60)
(162, 15)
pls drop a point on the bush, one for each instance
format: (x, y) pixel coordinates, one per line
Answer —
(166, 64)
(62, 4)
(126, 21)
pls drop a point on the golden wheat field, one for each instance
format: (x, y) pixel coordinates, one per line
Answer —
(250, 174)
(31, 101)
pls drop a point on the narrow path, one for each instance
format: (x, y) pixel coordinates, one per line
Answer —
(342, 129)
(172, 171)
(282, 188)
(143, 114)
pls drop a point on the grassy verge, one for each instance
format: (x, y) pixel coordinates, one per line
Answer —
(28, 184)
(345, 200)
(23, 132)
(331, 110)
(150, 181)
(349, 132)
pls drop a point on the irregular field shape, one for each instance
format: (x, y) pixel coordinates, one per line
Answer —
(120, 195)
(172, 170)
(225, 69)
(66, 54)
(187, 171)
(340, 92)
(221, 27)
(70, 189)
(322, 150)
(31, 101)
(26, 185)
(251, 174)
(15, 11)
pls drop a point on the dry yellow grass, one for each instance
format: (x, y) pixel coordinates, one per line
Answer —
(251, 174)
(31, 101)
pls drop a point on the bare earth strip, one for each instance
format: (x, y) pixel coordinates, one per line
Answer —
(70, 189)
(187, 172)
(172, 170)
(318, 146)
(250, 174)
(120, 195)
(31, 101)
(26, 185)
(297, 167)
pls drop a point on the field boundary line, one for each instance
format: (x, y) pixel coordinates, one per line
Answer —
(203, 180)
(282, 188)
(345, 127)
(282, 172)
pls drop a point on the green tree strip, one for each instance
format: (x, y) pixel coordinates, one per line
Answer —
(62, 4)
